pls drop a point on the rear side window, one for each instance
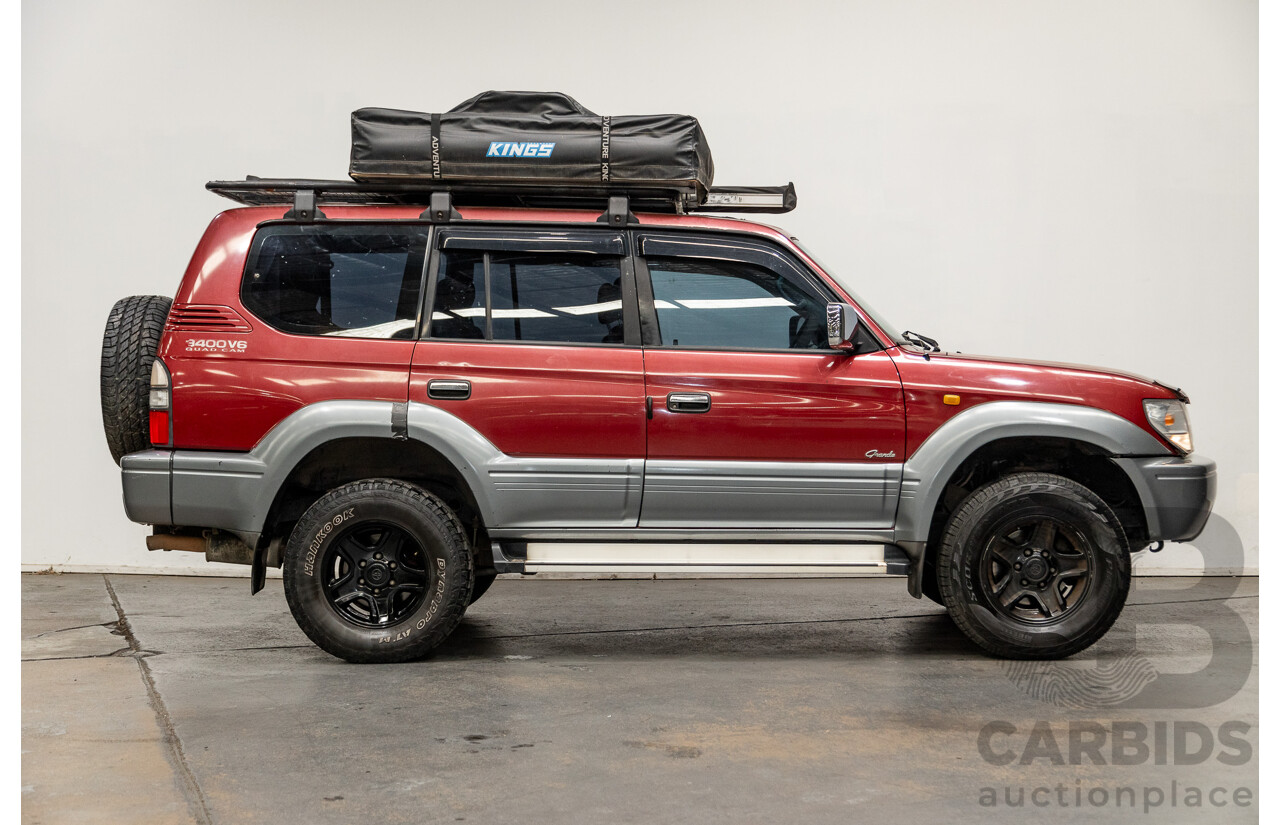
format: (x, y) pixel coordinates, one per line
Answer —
(353, 281)
(548, 297)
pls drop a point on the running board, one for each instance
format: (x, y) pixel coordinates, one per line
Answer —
(625, 557)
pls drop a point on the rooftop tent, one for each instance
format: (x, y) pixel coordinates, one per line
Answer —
(542, 138)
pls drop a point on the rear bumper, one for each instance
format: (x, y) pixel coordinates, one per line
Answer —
(147, 478)
(194, 489)
(1177, 493)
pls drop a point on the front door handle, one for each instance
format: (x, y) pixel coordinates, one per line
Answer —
(688, 402)
(449, 390)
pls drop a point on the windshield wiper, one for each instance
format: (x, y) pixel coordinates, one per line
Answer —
(924, 342)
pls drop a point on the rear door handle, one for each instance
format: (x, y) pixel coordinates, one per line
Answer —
(449, 390)
(688, 402)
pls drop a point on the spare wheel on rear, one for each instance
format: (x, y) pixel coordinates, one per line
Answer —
(129, 345)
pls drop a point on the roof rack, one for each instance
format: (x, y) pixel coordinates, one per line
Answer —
(306, 195)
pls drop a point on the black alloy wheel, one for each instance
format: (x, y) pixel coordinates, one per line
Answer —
(378, 570)
(375, 575)
(1037, 569)
(1033, 566)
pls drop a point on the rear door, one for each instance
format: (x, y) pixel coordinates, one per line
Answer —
(528, 342)
(756, 422)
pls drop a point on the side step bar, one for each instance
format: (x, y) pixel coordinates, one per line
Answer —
(626, 557)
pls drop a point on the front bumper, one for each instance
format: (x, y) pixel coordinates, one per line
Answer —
(1177, 493)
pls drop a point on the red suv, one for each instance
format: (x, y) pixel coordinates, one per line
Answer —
(396, 405)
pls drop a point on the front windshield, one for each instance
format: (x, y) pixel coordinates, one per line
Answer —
(889, 329)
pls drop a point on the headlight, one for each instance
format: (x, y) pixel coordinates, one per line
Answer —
(1169, 417)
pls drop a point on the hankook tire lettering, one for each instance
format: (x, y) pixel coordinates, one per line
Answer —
(309, 561)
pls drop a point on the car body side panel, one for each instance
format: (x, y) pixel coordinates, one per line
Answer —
(776, 406)
(231, 388)
(790, 440)
(976, 380)
(234, 490)
(541, 400)
(229, 401)
(795, 495)
(927, 471)
(241, 412)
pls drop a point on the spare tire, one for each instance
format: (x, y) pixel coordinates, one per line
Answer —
(129, 346)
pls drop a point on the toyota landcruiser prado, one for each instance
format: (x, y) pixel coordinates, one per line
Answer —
(400, 386)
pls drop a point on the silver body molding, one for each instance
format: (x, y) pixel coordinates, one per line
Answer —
(926, 472)
(625, 500)
(763, 494)
(515, 495)
(235, 491)
(557, 492)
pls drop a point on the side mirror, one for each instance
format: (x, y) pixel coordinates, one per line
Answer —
(842, 324)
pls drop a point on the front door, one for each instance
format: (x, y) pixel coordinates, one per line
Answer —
(756, 422)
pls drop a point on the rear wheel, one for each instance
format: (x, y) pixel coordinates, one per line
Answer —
(378, 571)
(129, 345)
(1033, 566)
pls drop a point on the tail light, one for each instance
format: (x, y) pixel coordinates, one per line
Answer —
(160, 405)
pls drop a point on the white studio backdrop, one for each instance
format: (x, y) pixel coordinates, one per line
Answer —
(1068, 181)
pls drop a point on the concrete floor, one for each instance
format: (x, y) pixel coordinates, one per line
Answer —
(165, 699)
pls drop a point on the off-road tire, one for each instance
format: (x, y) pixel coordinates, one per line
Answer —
(483, 582)
(344, 512)
(972, 534)
(929, 582)
(129, 344)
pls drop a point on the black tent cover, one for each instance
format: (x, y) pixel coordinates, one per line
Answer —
(530, 138)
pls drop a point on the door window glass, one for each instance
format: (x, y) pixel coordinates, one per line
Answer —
(458, 311)
(704, 303)
(544, 297)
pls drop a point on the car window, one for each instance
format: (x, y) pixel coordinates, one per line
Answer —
(458, 310)
(359, 282)
(704, 303)
(550, 297)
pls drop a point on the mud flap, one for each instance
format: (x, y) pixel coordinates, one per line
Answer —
(915, 573)
(258, 571)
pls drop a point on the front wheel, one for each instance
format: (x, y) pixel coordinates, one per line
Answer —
(1033, 566)
(483, 583)
(378, 571)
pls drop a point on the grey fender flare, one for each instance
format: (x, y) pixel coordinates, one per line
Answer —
(235, 491)
(926, 472)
